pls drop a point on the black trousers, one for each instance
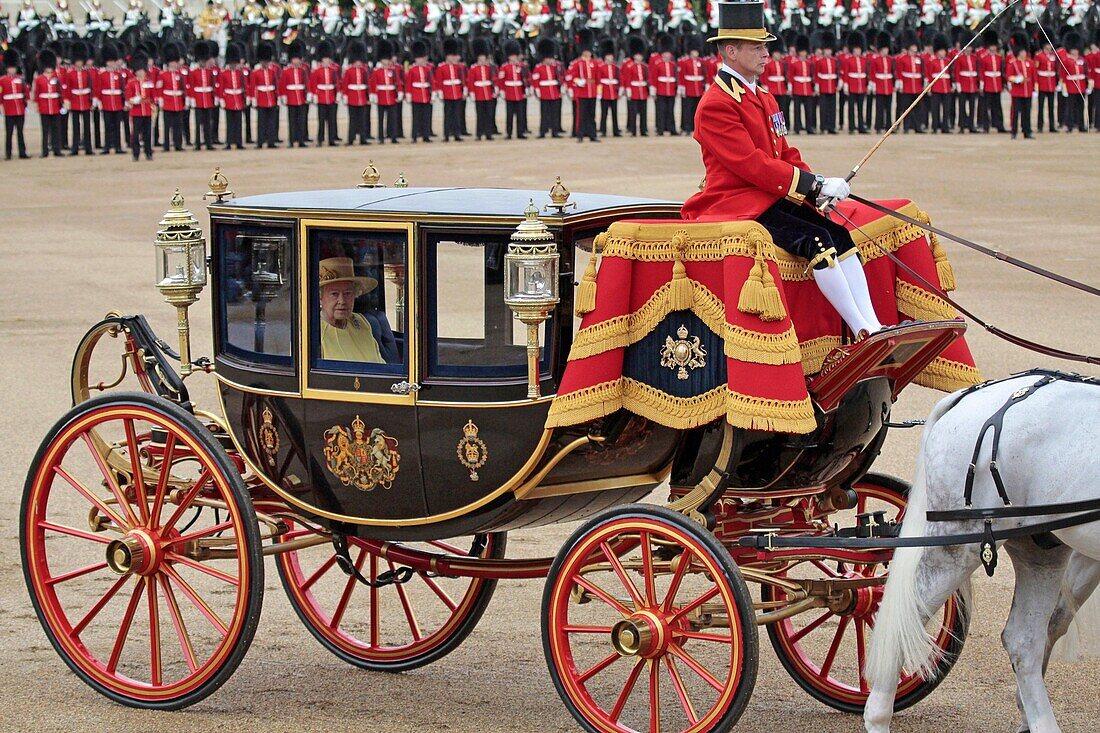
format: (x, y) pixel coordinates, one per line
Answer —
(883, 115)
(462, 116)
(515, 112)
(826, 104)
(247, 113)
(913, 121)
(665, 114)
(1021, 115)
(841, 106)
(550, 117)
(141, 136)
(359, 124)
(1094, 109)
(112, 127)
(784, 104)
(1075, 113)
(1046, 100)
(422, 121)
(941, 111)
(175, 127)
(297, 117)
(204, 127)
(452, 119)
(585, 125)
(688, 105)
(388, 119)
(856, 119)
(609, 107)
(804, 114)
(968, 109)
(267, 126)
(326, 120)
(400, 114)
(233, 128)
(215, 125)
(52, 125)
(486, 111)
(636, 116)
(804, 232)
(82, 131)
(13, 127)
(97, 134)
(992, 115)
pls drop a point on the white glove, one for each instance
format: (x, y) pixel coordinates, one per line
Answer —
(836, 189)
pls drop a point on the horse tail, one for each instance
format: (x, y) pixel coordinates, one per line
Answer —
(900, 640)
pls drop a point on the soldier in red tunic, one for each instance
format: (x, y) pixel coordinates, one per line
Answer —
(909, 72)
(664, 80)
(826, 80)
(293, 82)
(611, 88)
(264, 94)
(385, 92)
(882, 83)
(992, 67)
(418, 88)
(202, 96)
(355, 86)
(854, 74)
(109, 88)
(1046, 75)
(693, 82)
(513, 80)
(966, 72)
(940, 93)
(449, 83)
(774, 78)
(1074, 82)
(232, 89)
(753, 173)
(546, 79)
(1020, 73)
(635, 74)
(46, 95)
(13, 96)
(78, 88)
(172, 96)
(581, 81)
(323, 83)
(480, 82)
(141, 101)
(800, 76)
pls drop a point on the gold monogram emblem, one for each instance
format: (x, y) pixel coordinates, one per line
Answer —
(362, 462)
(472, 451)
(683, 353)
(269, 437)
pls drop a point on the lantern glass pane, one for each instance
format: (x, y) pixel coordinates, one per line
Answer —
(175, 268)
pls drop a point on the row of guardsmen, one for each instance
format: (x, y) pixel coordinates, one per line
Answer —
(816, 88)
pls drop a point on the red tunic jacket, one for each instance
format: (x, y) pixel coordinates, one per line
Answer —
(46, 94)
(512, 81)
(355, 85)
(664, 77)
(693, 76)
(992, 67)
(1075, 76)
(385, 86)
(635, 80)
(480, 82)
(323, 83)
(800, 75)
(934, 66)
(450, 81)
(172, 91)
(581, 77)
(826, 74)
(1021, 77)
(749, 165)
(418, 84)
(78, 87)
(202, 88)
(610, 84)
(141, 96)
(13, 94)
(910, 73)
(292, 85)
(264, 86)
(232, 89)
(546, 79)
(966, 73)
(774, 78)
(1046, 71)
(108, 90)
(854, 72)
(882, 75)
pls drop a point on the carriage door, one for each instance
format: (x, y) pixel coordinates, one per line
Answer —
(360, 385)
(477, 427)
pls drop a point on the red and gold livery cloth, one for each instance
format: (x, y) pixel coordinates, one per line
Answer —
(688, 322)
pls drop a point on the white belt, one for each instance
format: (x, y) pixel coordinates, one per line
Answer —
(13, 96)
(548, 83)
(826, 76)
(295, 87)
(638, 84)
(326, 87)
(968, 73)
(270, 88)
(386, 87)
(911, 76)
(171, 93)
(580, 82)
(452, 82)
(80, 91)
(207, 90)
(992, 73)
(357, 87)
(693, 78)
(417, 85)
(513, 83)
(666, 79)
(1075, 77)
(1046, 73)
(111, 91)
(883, 76)
(53, 95)
(803, 79)
(232, 91)
(858, 76)
(483, 83)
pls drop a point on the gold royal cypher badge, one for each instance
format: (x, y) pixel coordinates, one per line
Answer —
(683, 353)
(362, 462)
(269, 436)
(472, 451)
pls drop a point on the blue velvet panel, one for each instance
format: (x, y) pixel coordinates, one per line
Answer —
(642, 361)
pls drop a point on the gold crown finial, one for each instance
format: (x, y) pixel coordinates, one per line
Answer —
(532, 229)
(470, 430)
(358, 426)
(559, 198)
(371, 176)
(177, 200)
(219, 187)
(401, 181)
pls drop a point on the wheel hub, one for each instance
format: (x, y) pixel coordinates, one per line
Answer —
(137, 552)
(643, 634)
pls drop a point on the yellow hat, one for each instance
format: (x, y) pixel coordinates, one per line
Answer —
(341, 269)
(741, 21)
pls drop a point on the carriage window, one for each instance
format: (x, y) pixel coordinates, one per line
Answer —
(256, 285)
(358, 285)
(472, 331)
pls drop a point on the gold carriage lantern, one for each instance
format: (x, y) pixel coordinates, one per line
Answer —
(531, 284)
(181, 268)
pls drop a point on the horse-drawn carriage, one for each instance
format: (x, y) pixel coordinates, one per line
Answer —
(461, 400)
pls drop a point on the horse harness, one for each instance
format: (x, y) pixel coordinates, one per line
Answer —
(869, 534)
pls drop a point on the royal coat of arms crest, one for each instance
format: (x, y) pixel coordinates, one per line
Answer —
(359, 460)
(472, 451)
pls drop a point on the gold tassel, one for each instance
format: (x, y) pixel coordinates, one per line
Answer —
(586, 291)
(944, 270)
(752, 293)
(773, 304)
(681, 294)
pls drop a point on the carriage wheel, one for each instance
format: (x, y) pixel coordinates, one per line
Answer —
(148, 581)
(824, 652)
(648, 625)
(396, 627)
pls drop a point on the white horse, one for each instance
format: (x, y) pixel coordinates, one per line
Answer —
(1047, 454)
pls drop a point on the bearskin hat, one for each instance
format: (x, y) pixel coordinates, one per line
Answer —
(265, 51)
(939, 42)
(802, 44)
(778, 45)
(825, 41)
(1018, 42)
(47, 59)
(693, 42)
(110, 52)
(481, 47)
(200, 52)
(883, 41)
(384, 50)
(296, 50)
(172, 53)
(324, 50)
(139, 61)
(234, 53)
(607, 47)
(990, 38)
(585, 40)
(856, 39)
(665, 43)
(512, 48)
(212, 49)
(450, 47)
(12, 59)
(546, 48)
(419, 49)
(150, 48)
(357, 51)
(80, 50)
(636, 46)
(907, 40)
(1073, 40)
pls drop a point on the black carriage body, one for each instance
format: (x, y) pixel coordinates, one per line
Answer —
(449, 384)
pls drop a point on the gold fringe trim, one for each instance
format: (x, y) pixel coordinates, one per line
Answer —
(948, 376)
(944, 271)
(740, 343)
(706, 242)
(922, 305)
(814, 352)
(682, 413)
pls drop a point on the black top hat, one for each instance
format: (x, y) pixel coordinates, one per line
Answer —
(1073, 40)
(80, 51)
(200, 51)
(1018, 42)
(882, 41)
(265, 51)
(907, 39)
(296, 50)
(666, 43)
(693, 42)
(802, 43)
(741, 21)
(171, 53)
(825, 41)
(990, 38)
(110, 52)
(546, 48)
(451, 47)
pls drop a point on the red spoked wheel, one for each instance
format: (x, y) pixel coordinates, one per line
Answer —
(141, 551)
(648, 625)
(824, 650)
(396, 627)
